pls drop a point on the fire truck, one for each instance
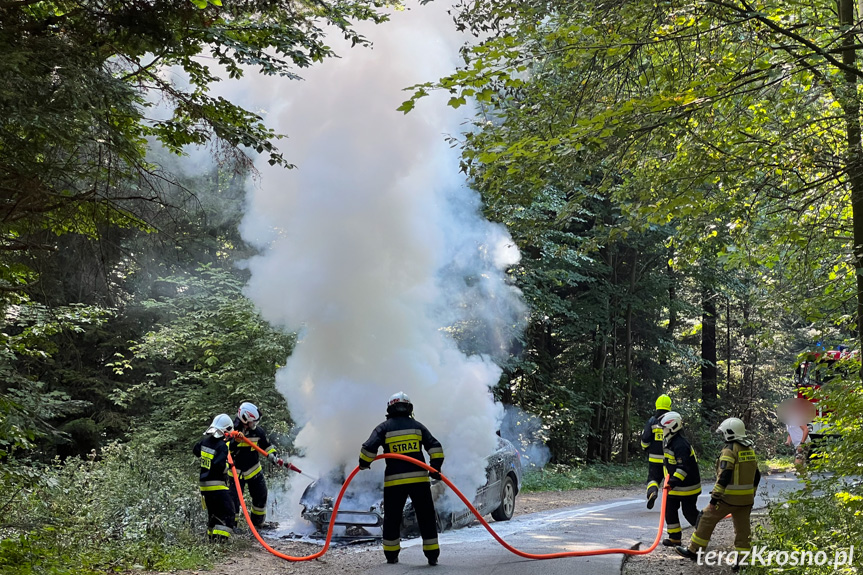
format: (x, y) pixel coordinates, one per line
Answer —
(815, 370)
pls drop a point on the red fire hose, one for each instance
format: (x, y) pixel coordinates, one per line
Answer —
(461, 496)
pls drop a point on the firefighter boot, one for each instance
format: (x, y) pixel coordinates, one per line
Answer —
(671, 542)
(651, 498)
(685, 552)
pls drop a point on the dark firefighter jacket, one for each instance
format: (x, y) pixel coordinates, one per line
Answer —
(651, 437)
(245, 456)
(681, 466)
(737, 475)
(214, 462)
(407, 436)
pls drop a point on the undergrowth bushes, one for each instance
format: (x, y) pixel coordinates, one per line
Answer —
(128, 507)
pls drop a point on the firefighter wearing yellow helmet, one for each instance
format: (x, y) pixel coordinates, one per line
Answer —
(684, 477)
(737, 478)
(402, 434)
(651, 441)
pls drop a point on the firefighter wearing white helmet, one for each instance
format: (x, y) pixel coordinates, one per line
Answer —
(683, 477)
(212, 450)
(737, 478)
(247, 463)
(402, 434)
(651, 440)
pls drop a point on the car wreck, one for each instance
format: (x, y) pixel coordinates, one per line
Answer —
(496, 497)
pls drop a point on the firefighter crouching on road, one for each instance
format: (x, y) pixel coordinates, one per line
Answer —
(247, 464)
(651, 440)
(213, 451)
(402, 434)
(684, 478)
(737, 479)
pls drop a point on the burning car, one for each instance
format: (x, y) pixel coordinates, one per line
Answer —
(496, 497)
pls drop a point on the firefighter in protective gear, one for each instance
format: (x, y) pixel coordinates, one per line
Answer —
(247, 464)
(684, 478)
(212, 450)
(402, 434)
(651, 440)
(737, 478)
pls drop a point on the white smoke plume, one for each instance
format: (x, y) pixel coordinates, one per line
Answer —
(373, 246)
(528, 434)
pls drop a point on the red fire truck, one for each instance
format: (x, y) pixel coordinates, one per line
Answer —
(814, 370)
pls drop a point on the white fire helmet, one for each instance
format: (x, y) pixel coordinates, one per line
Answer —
(671, 422)
(221, 425)
(400, 403)
(249, 414)
(732, 429)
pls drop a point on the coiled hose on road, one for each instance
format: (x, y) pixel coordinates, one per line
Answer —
(507, 546)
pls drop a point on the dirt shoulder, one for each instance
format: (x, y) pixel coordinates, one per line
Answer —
(545, 500)
(664, 561)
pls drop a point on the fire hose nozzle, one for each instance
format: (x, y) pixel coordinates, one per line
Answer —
(293, 467)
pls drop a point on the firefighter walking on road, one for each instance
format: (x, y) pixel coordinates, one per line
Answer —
(737, 479)
(402, 434)
(248, 465)
(651, 440)
(212, 449)
(684, 478)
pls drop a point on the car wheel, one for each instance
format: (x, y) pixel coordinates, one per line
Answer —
(507, 501)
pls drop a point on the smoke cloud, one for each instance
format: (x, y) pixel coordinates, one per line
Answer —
(528, 434)
(376, 251)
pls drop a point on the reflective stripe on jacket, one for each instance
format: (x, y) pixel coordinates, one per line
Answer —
(406, 436)
(652, 436)
(736, 472)
(681, 466)
(245, 456)
(213, 453)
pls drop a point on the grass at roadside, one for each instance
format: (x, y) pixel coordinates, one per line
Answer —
(565, 477)
(778, 464)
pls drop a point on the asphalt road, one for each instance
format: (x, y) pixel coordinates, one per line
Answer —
(622, 523)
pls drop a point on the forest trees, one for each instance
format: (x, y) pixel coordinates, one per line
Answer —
(88, 91)
(733, 123)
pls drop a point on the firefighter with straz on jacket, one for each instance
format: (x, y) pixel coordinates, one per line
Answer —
(212, 450)
(684, 478)
(737, 478)
(402, 434)
(651, 440)
(247, 464)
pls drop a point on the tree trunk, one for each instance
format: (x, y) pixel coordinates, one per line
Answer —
(672, 325)
(627, 398)
(851, 108)
(728, 346)
(708, 354)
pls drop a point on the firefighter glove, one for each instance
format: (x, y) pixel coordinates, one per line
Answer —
(435, 475)
(364, 465)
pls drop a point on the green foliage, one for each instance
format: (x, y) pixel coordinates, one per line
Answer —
(826, 516)
(27, 345)
(129, 507)
(220, 353)
(565, 477)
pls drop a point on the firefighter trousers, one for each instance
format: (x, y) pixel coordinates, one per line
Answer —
(221, 520)
(655, 476)
(395, 498)
(740, 518)
(258, 492)
(674, 504)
